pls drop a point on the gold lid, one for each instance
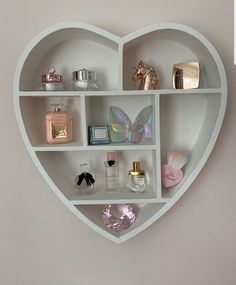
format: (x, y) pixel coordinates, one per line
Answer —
(136, 169)
(57, 108)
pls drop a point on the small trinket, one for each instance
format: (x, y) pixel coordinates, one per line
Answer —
(118, 216)
(122, 129)
(52, 81)
(186, 75)
(98, 135)
(148, 76)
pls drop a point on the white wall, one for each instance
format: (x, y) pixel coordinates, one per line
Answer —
(42, 242)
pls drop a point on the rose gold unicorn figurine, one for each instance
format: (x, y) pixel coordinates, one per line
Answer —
(147, 75)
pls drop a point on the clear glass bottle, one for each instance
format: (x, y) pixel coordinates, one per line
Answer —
(137, 181)
(84, 80)
(58, 125)
(111, 172)
(85, 181)
(52, 81)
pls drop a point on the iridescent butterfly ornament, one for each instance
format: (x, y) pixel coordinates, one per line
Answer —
(122, 129)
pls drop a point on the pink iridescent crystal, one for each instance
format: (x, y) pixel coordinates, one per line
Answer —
(118, 217)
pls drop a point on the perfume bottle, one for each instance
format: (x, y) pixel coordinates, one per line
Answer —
(111, 171)
(85, 80)
(137, 181)
(85, 181)
(58, 125)
(52, 81)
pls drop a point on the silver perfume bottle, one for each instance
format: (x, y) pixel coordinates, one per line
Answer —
(111, 172)
(85, 80)
(85, 181)
(137, 181)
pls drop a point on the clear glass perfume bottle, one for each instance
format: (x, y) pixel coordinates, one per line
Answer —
(85, 181)
(58, 125)
(52, 81)
(111, 172)
(137, 181)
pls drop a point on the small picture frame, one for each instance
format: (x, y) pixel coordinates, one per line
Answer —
(98, 135)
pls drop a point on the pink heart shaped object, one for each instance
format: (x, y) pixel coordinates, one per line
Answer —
(170, 176)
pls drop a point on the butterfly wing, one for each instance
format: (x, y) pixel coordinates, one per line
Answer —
(118, 133)
(137, 130)
(119, 125)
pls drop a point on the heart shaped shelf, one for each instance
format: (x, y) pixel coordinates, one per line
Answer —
(189, 120)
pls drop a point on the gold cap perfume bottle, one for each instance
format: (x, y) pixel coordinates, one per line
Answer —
(137, 181)
(58, 126)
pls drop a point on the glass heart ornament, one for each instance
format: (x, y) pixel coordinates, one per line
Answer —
(118, 216)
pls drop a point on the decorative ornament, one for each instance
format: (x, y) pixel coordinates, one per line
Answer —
(123, 129)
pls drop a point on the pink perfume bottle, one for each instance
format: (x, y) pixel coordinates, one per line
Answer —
(52, 81)
(58, 126)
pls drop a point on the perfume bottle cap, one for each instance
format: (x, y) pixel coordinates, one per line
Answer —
(84, 167)
(111, 155)
(136, 169)
(84, 75)
(51, 76)
(55, 107)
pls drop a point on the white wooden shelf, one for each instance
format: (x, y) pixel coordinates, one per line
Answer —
(119, 93)
(189, 120)
(122, 195)
(80, 147)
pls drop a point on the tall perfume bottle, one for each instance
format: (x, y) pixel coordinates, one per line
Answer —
(84, 182)
(111, 171)
(58, 125)
(137, 181)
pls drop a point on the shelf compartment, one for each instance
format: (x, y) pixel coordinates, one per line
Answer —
(92, 215)
(162, 49)
(34, 109)
(188, 123)
(98, 112)
(63, 166)
(72, 48)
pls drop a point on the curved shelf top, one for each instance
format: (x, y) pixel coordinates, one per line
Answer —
(148, 31)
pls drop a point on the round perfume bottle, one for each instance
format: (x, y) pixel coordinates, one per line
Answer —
(52, 81)
(84, 80)
(84, 182)
(137, 181)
